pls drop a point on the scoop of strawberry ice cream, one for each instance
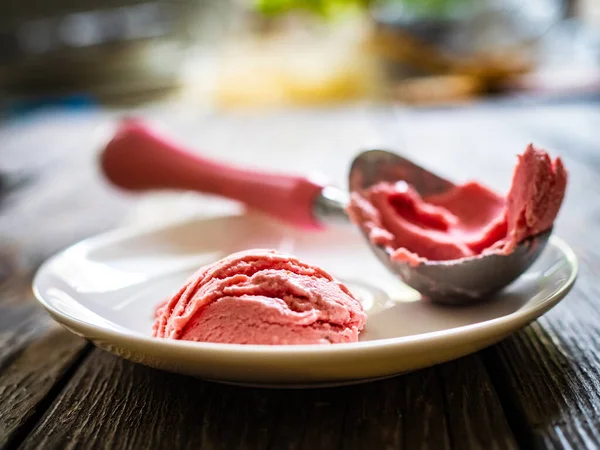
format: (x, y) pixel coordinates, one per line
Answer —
(467, 220)
(261, 297)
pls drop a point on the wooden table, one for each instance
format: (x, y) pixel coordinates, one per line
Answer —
(537, 389)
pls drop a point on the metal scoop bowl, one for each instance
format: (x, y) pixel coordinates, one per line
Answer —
(459, 281)
(138, 158)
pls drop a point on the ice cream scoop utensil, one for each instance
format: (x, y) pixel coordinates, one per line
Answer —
(138, 158)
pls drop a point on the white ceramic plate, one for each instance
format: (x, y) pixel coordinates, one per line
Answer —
(105, 289)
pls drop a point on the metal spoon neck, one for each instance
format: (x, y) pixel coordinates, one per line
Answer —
(330, 205)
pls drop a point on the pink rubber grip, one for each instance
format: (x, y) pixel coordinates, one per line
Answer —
(139, 159)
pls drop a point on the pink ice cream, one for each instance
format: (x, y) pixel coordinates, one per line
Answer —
(261, 297)
(468, 220)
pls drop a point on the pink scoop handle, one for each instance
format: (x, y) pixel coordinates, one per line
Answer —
(139, 159)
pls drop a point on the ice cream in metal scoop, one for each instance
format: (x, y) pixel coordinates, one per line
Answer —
(461, 280)
(138, 158)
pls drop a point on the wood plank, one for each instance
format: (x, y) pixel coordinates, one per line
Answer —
(112, 403)
(34, 356)
(476, 419)
(29, 383)
(19, 326)
(51, 199)
(375, 415)
(425, 418)
(548, 378)
(116, 404)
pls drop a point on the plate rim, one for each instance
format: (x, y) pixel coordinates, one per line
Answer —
(514, 320)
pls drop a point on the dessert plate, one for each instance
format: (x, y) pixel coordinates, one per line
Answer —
(105, 289)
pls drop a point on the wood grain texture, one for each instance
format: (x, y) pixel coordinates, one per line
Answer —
(27, 384)
(34, 355)
(548, 375)
(50, 199)
(471, 403)
(111, 403)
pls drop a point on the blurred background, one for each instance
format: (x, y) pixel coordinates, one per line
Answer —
(239, 54)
